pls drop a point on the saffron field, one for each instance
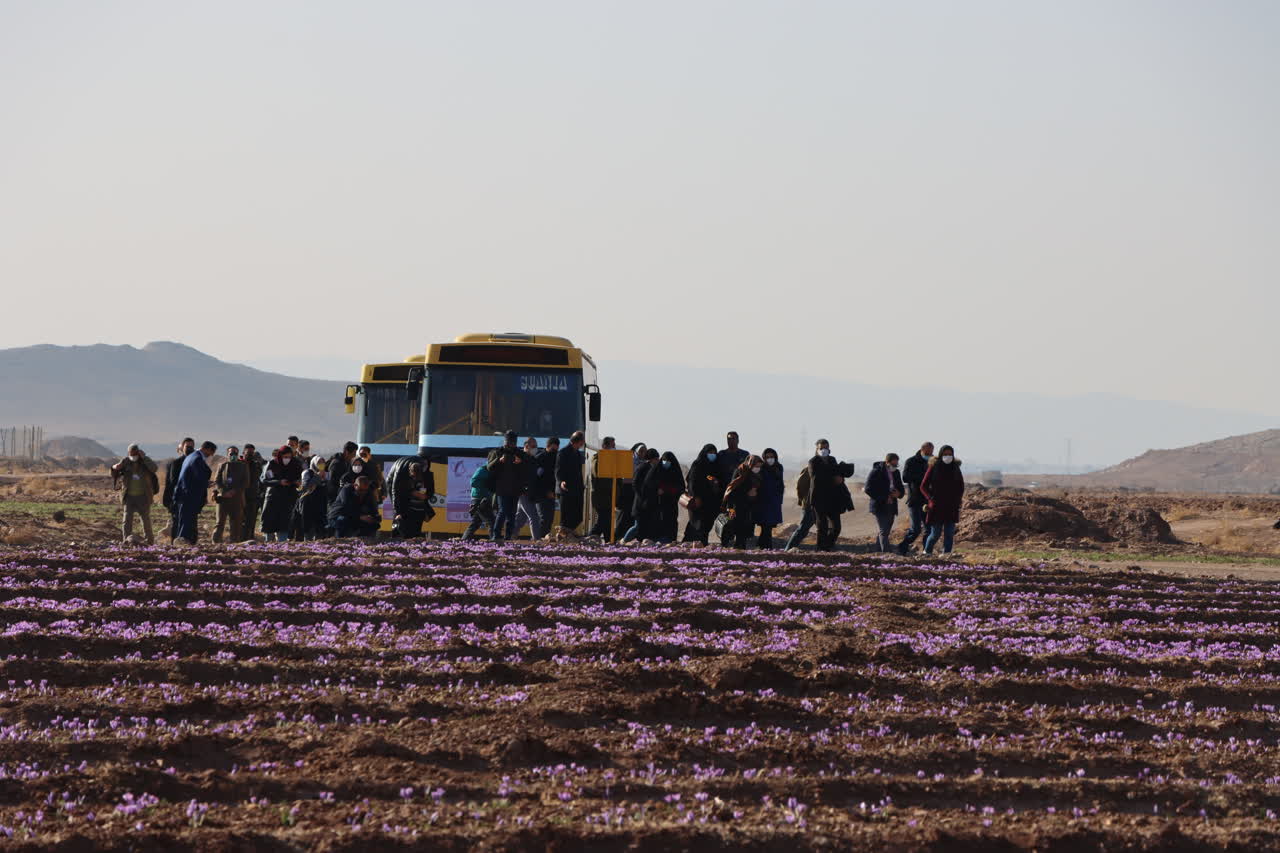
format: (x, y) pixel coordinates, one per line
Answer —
(466, 696)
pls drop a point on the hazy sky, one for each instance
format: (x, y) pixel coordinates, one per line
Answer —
(1063, 197)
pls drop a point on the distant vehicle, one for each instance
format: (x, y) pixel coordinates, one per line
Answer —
(455, 401)
(1033, 485)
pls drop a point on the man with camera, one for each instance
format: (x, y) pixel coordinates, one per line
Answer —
(135, 476)
(509, 466)
(229, 494)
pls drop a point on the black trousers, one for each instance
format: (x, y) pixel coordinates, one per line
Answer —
(410, 524)
(571, 510)
(828, 531)
(701, 522)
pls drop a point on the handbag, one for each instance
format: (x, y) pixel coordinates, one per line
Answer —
(722, 524)
(686, 501)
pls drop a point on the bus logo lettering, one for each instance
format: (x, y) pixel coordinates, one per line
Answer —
(543, 382)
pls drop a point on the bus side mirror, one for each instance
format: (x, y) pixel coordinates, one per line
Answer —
(350, 400)
(593, 406)
(413, 385)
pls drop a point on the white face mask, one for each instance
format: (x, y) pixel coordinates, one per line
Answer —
(133, 457)
(824, 452)
(948, 459)
(286, 459)
(770, 461)
(756, 470)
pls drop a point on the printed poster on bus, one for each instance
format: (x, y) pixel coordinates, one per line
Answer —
(458, 497)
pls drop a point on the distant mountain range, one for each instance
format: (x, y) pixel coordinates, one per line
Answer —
(163, 391)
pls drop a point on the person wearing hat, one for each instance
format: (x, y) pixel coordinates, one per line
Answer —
(135, 476)
(509, 468)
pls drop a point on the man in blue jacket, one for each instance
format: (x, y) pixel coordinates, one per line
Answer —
(192, 491)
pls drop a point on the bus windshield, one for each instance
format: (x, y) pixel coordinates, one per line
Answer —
(491, 400)
(389, 415)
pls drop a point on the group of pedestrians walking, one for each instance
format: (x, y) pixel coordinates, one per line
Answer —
(728, 495)
(298, 495)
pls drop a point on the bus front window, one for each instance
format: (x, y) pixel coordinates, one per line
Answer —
(491, 400)
(389, 417)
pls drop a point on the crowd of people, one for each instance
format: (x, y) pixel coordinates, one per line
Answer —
(729, 496)
(296, 495)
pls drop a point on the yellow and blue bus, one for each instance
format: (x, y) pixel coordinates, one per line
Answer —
(455, 402)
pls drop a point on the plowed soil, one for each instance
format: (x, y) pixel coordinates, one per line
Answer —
(452, 696)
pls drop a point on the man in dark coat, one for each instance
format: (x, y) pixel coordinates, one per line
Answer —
(254, 463)
(728, 460)
(509, 467)
(544, 484)
(828, 496)
(355, 511)
(411, 485)
(884, 487)
(570, 486)
(339, 467)
(185, 448)
(820, 498)
(912, 475)
(192, 491)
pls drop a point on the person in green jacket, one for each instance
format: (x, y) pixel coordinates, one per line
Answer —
(481, 503)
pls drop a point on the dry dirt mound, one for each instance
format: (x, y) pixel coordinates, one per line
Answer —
(1000, 514)
(993, 515)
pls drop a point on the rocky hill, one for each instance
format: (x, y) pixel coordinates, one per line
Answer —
(164, 391)
(77, 447)
(1242, 463)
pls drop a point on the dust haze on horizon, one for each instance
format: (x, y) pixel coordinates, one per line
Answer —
(995, 196)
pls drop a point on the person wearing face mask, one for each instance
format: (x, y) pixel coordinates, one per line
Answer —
(943, 488)
(185, 448)
(527, 505)
(364, 465)
(804, 494)
(281, 479)
(228, 493)
(135, 476)
(192, 491)
(645, 510)
(704, 489)
(739, 501)
(728, 459)
(254, 463)
(311, 509)
(767, 511)
(884, 487)
(912, 475)
(339, 467)
(569, 464)
(669, 481)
